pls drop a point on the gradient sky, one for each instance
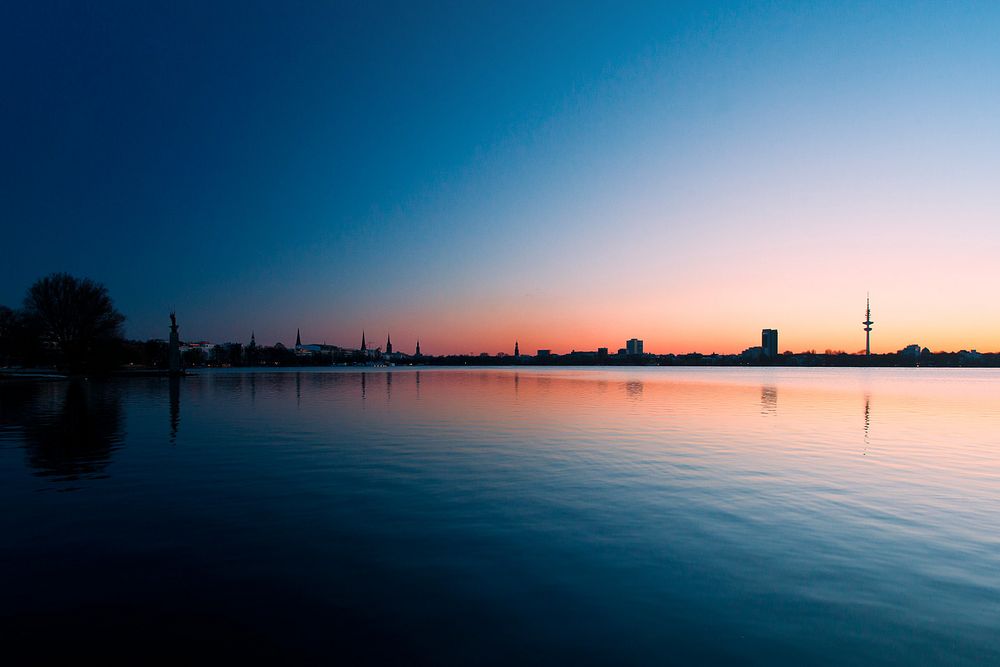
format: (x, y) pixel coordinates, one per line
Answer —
(568, 175)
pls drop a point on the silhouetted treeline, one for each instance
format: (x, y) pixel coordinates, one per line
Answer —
(66, 323)
(152, 354)
(71, 325)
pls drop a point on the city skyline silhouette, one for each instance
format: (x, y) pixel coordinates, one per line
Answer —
(681, 173)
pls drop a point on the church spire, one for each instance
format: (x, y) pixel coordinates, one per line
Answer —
(388, 344)
(517, 349)
(363, 345)
(298, 338)
(418, 348)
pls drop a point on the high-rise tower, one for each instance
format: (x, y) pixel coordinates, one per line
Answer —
(868, 327)
(769, 343)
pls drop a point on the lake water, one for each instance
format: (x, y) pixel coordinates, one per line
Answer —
(532, 515)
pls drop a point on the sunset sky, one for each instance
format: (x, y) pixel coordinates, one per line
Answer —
(568, 175)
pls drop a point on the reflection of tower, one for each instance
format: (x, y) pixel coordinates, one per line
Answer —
(174, 351)
(868, 327)
(517, 384)
(388, 386)
(175, 407)
(633, 389)
(768, 399)
(418, 383)
(298, 389)
(868, 399)
(363, 386)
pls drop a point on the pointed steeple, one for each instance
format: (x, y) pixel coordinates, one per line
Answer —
(364, 346)
(298, 338)
(517, 349)
(388, 344)
(418, 348)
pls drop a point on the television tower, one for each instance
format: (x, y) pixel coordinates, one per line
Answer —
(868, 327)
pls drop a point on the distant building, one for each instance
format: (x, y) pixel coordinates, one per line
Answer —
(310, 349)
(388, 344)
(517, 349)
(633, 346)
(769, 343)
(544, 353)
(602, 352)
(300, 349)
(964, 356)
(200, 346)
(868, 327)
(251, 350)
(173, 351)
(418, 348)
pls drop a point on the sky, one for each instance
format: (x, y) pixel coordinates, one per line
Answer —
(567, 175)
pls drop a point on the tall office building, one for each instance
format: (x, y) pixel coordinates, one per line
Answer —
(633, 346)
(769, 343)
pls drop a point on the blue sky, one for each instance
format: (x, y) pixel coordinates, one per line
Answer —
(569, 175)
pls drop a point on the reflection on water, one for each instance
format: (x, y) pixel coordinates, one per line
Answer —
(868, 419)
(633, 388)
(530, 515)
(768, 400)
(175, 407)
(68, 430)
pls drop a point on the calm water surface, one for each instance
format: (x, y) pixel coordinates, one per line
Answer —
(688, 516)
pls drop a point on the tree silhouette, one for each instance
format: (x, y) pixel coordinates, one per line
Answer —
(77, 316)
(9, 326)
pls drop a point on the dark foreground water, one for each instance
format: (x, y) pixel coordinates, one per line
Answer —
(766, 516)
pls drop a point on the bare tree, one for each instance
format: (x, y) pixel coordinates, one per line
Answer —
(77, 315)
